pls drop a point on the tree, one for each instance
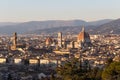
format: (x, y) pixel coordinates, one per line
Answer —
(112, 72)
(52, 77)
(9, 77)
(71, 70)
(26, 62)
(95, 74)
(109, 61)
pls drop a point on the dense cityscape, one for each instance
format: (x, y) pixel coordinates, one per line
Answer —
(44, 57)
(59, 39)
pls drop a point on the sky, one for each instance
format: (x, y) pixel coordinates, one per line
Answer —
(39, 10)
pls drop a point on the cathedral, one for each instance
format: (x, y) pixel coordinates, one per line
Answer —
(83, 39)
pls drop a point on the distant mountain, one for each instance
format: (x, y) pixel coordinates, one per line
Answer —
(64, 30)
(112, 27)
(50, 24)
(35, 25)
(7, 23)
(100, 22)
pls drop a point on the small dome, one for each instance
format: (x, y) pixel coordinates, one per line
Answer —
(48, 41)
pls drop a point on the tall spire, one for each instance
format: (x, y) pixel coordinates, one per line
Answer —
(83, 29)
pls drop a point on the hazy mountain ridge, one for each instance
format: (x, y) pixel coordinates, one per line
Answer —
(33, 26)
(7, 23)
(110, 27)
(100, 22)
(107, 28)
(64, 30)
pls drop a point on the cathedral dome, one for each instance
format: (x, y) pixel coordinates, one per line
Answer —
(83, 36)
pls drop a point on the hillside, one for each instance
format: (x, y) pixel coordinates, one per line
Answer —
(33, 26)
(111, 27)
(64, 30)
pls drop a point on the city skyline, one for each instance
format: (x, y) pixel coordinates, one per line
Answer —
(39, 10)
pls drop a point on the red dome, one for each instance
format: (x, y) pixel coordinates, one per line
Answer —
(83, 36)
(48, 40)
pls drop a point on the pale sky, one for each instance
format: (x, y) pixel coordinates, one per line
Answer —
(38, 10)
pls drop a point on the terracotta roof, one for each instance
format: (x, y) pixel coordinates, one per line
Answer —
(48, 40)
(83, 36)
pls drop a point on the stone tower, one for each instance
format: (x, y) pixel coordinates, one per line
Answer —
(14, 42)
(59, 39)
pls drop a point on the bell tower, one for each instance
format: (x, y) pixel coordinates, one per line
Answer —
(14, 41)
(59, 39)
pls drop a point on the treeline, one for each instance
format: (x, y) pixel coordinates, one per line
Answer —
(73, 70)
